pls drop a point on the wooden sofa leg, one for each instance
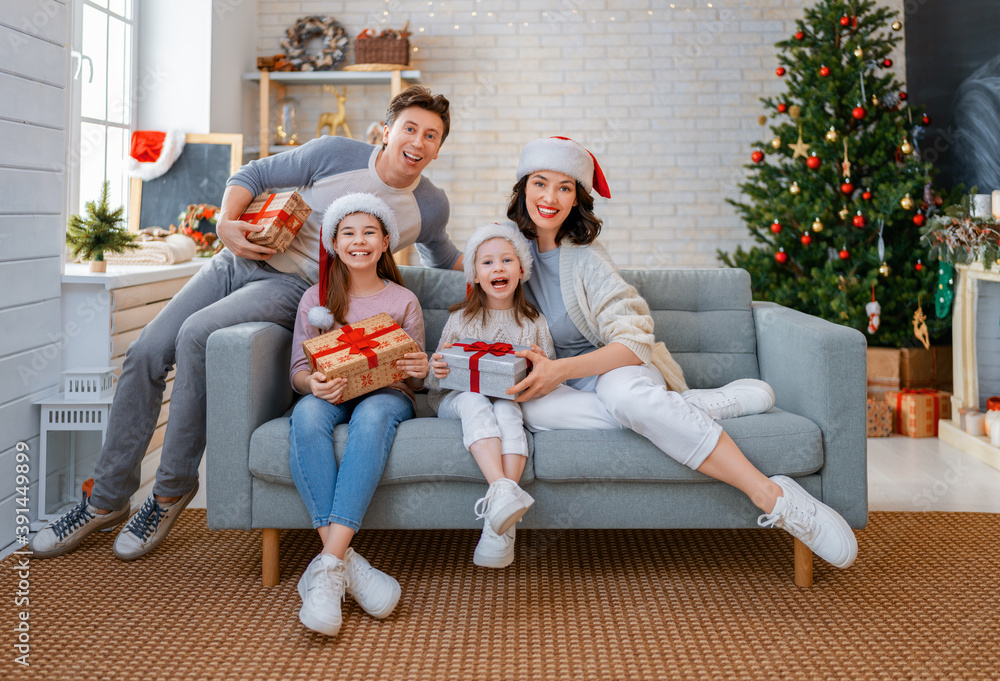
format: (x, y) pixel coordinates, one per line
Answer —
(803, 565)
(270, 565)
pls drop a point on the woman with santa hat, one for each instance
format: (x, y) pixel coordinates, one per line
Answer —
(611, 373)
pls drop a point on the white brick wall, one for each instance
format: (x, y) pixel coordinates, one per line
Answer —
(666, 95)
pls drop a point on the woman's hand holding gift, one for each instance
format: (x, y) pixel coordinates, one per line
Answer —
(546, 374)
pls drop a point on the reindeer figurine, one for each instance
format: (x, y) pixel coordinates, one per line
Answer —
(920, 327)
(334, 120)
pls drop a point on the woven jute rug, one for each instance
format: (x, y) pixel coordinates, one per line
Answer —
(921, 602)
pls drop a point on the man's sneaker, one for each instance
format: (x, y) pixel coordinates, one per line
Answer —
(742, 397)
(376, 592)
(494, 550)
(503, 505)
(812, 522)
(65, 533)
(149, 526)
(321, 588)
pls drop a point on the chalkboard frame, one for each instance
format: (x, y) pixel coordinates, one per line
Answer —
(232, 140)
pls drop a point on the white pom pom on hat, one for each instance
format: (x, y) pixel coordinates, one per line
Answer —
(566, 156)
(504, 230)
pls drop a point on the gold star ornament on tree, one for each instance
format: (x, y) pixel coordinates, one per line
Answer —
(800, 148)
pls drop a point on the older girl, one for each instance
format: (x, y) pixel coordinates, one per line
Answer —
(610, 372)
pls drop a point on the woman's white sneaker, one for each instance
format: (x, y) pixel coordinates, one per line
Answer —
(504, 504)
(494, 550)
(321, 588)
(742, 397)
(376, 592)
(812, 522)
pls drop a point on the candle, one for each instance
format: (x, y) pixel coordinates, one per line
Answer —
(996, 205)
(995, 437)
(982, 206)
(974, 423)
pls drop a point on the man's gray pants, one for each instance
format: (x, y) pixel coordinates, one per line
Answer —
(227, 291)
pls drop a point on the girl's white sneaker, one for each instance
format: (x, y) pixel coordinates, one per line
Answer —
(504, 504)
(321, 589)
(376, 592)
(494, 550)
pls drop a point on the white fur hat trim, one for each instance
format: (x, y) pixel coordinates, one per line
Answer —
(321, 317)
(358, 203)
(505, 230)
(561, 155)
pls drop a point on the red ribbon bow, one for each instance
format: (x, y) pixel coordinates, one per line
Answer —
(264, 213)
(359, 342)
(482, 349)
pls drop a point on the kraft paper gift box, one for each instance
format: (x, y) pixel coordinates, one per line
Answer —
(895, 368)
(282, 215)
(364, 353)
(915, 412)
(879, 418)
(486, 368)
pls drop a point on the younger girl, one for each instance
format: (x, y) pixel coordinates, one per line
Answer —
(359, 232)
(497, 258)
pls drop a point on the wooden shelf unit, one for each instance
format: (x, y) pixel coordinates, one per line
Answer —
(281, 79)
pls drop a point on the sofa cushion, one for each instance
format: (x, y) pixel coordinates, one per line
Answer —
(425, 449)
(775, 442)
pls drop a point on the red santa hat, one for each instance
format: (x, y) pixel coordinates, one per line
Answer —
(563, 155)
(320, 316)
(152, 152)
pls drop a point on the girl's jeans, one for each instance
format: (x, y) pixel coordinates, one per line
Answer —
(341, 494)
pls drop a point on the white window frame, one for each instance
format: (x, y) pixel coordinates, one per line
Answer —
(79, 65)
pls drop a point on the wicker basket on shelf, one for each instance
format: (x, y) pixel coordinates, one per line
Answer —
(391, 47)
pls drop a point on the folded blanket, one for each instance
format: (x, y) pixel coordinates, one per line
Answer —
(174, 249)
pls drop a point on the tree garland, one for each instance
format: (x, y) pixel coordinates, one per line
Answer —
(305, 29)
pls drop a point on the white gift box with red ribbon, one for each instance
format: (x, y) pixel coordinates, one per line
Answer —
(486, 368)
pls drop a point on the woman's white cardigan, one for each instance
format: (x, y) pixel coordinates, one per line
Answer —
(606, 309)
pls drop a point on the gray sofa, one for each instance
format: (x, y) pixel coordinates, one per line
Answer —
(580, 479)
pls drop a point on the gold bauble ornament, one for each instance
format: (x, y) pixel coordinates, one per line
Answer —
(906, 147)
(896, 26)
(776, 143)
(817, 226)
(884, 269)
(906, 203)
(831, 135)
(794, 189)
(874, 100)
(795, 111)
(858, 52)
(844, 213)
(762, 120)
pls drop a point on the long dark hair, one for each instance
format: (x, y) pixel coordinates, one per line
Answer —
(338, 282)
(581, 226)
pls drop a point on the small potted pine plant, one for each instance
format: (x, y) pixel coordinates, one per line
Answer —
(102, 231)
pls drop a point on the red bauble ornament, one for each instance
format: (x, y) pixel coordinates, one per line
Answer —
(859, 220)
(926, 119)
(919, 220)
(806, 239)
(844, 253)
(867, 195)
(938, 201)
(824, 71)
(813, 162)
(799, 35)
(845, 21)
(859, 112)
(781, 256)
(782, 107)
(846, 188)
(757, 156)
(776, 226)
(902, 96)
(854, 21)
(919, 266)
(780, 71)
(887, 63)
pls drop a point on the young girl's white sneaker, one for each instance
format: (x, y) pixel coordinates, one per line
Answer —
(494, 550)
(321, 589)
(504, 504)
(376, 592)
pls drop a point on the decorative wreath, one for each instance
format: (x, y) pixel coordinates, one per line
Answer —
(305, 29)
(190, 220)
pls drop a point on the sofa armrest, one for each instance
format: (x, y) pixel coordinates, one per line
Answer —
(247, 382)
(818, 370)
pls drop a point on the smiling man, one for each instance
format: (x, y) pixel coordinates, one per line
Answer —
(245, 283)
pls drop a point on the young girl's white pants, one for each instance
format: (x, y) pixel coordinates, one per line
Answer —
(484, 417)
(633, 397)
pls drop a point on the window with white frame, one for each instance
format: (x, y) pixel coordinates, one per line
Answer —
(103, 104)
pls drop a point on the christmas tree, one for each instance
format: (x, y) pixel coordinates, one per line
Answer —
(837, 197)
(102, 231)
